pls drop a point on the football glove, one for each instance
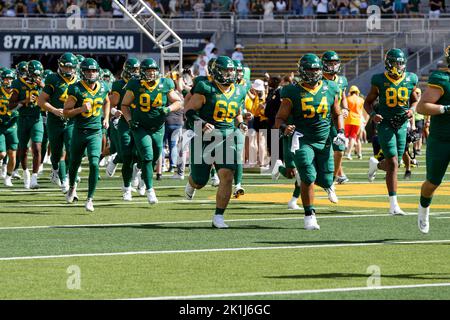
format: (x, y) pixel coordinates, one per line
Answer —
(133, 124)
(398, 120)
(340, 139)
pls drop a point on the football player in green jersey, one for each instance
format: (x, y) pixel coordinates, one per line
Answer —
(149, 99)
(8, 124)
(395, 89)
(22, 69)
(216, 105)
(331, 69)
(435, 102)
(60, 129)
(30, 124)
(87, 102)
(313, 104)
(122, 134)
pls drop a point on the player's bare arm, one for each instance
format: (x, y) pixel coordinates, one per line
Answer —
(45, 105)
(282, 117)
(69, 108)
(368, 104)
(175, 101)
(427, 104)
(125, 107)
(106, 111)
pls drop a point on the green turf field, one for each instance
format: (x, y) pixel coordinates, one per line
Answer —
(52, 250)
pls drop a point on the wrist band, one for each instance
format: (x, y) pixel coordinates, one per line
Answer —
(113, 111)
(373, 113)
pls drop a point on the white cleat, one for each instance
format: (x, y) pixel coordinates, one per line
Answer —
(141, 188)
(189, 191)
(8, 182)
(218, 222)
(47, 160)
(238, 191)
(127, 194)
(151, 196)
(34, 183)
(423, 219)
(102, 162)
(65, 186)
(331, 194)
(311, 223)
(136, 177)
(177, 176)
(3, 171)
(54, 177)
(89, 205)
(26, 179)
(215, 181)
(396, 211)
(111, 168)
(275, 171)
(373, 167)
(71, 195)
(41, 169)
(16, 175)
(292, 205)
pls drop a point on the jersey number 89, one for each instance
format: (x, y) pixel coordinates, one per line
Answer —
(396, 97)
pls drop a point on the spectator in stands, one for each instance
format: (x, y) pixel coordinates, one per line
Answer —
(186, 8)
(21, 8)
(413, 8)
(343, 8)
(213, 54)
(404, 6)
(308, 8)
(41, 8)
(199, 8)
(280, 6)
(332, 8)
(237, 54)
(257, 8)
(165, 6)
(353, 121)
(242, 7)
(387, 9)
(117, 13)
(2, 8)
(106, 8)
(436, 7)
(363, 7)
(224, 6)
(59, 7)
(268, 9)
(296, 7)
(273, 103)
(200, 65)
(91, 6)
(321, 8)
(173, 6)
(354, 7)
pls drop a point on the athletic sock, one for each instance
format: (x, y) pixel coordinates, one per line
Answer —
(425, 202)
(309, 210)
(220, 211)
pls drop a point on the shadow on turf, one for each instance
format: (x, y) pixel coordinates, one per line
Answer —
(420, 276)
(172, 227)
(325, 242)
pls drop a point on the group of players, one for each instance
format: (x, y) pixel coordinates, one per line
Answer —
(79, 106)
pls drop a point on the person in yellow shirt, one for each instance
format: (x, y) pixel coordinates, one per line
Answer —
(353, 121)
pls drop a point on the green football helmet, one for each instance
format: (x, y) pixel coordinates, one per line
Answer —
(22, 69)
(87, 65)
(80, 58)
(69, 62)
(331, 62)
(209, 66)
(130, 69)
(223, 70)
(107, 75)
(447, 55)
(310, 69)
(149, 70)
(7, 77)
(239, 70)
(47, 72)
(35, 70)
(395, 63)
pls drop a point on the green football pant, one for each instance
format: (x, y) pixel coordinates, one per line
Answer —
(29, 128)
(315, 165)
(437, 158)
(114, 146)
(8, 138)
(392, 142)
(44, 143)
(60, 136)
(126, 147)
(90, 140)
(149, 144)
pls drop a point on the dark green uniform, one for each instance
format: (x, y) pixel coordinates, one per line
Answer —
(311, 115)
(239, 172)
(219, 109)
(30, 125)
(438, 141)
(342, 84)
(394, 100)
(87, 132)
(8, 124)
(147, 111)
(59, 129)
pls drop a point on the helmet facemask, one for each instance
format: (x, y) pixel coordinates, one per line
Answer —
(7, 82)
(149, 75)
(311, 76)
(396, 69)
(90, 75)
(66, 70)
(332, 66)
(225, 76)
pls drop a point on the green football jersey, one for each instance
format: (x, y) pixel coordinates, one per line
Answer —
(440, 124)
(394, 94)
(118, 86)
(7, 117)
(26, 90)
(199, 79)
(83, 94)
(342, 84)
(246, 84)
(148, 102)
(311, 109)
(56, 87)
(219, 108)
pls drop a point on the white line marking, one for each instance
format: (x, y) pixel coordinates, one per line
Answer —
(128, 253)
(293, 292)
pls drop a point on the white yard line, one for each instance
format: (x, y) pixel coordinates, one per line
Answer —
(128, 253)
(299, 292)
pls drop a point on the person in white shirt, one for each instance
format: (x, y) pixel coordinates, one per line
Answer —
(237, 54)
(322, 8)
(281, 6)
(209, 46)
(268, 9)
